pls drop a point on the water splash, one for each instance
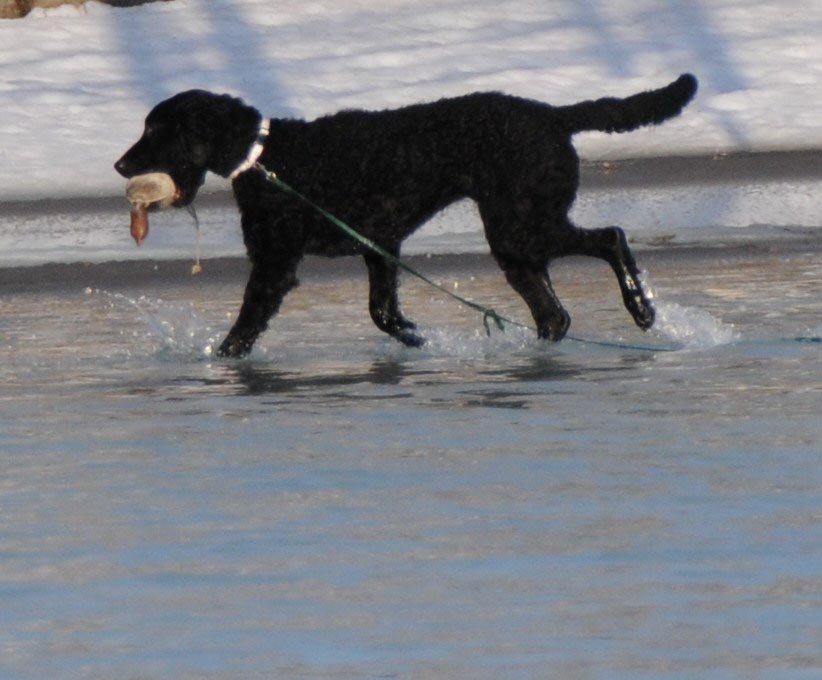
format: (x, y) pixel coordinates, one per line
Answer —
(688, 327)
(467, 344)
(478, 343)
(175, 328)
(693, 328)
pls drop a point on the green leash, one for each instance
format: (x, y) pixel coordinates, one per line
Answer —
(487, 312)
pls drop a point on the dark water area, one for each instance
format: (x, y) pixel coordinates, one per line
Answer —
(338, 506)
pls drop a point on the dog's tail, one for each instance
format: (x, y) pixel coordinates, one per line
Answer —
(622, 115)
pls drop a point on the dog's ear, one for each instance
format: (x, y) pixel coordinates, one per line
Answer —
(212, 131)
(232, 128)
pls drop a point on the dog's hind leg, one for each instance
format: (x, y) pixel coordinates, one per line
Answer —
(266, 288)
(523, 256)
(534, 286)
(610, 244)
(383, 304)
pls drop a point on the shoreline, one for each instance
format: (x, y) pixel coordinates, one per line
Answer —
(721, 168)
(602, 175)
(727, 169)
(70, 277)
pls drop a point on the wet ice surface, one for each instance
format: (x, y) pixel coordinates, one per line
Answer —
(749, 208)
(339, 506)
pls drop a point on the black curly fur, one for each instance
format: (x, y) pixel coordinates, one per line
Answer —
(388, 172)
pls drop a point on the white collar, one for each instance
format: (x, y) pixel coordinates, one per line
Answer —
(255, 151)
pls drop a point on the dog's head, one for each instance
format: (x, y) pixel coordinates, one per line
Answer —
(188, 135)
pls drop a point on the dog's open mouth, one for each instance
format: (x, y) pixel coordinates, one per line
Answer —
(152, 190)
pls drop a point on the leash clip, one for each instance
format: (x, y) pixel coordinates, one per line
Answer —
(268, 173)
(491, 314)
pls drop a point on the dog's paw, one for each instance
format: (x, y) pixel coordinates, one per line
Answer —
(645, 316)
(234, 348)
(555, 328)
(640, 307)
(410, 339)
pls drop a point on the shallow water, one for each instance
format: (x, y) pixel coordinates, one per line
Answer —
(339, 506)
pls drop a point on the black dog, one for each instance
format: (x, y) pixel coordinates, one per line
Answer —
(386, 173)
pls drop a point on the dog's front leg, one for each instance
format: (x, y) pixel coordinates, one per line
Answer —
(266, 288)
(383, 304)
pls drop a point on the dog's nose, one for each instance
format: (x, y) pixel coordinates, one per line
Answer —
(121, 167)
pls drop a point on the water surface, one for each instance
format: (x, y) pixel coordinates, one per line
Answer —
(340, 506)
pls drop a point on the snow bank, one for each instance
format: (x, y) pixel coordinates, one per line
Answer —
(75, 85)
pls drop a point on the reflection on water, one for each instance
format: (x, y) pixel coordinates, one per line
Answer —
(341, 506)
